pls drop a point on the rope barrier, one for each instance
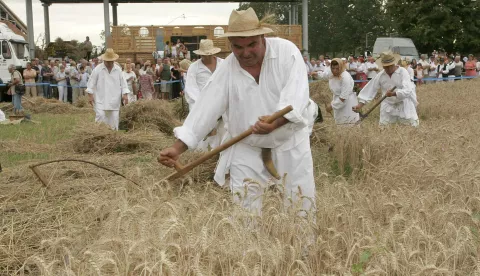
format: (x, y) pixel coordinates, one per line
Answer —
(78, 86)
(425, 79)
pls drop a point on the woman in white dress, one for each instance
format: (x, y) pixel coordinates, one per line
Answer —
(131, 78)
(341, 85)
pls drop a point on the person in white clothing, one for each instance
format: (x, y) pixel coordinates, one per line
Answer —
(131, 78)
(2, 116)
(198, 74)
(201, 70)
(432, 71)
(478, 65)
(425, 64)
(106, 88)
(344, 99)
(261, 76)
(400, 104)
(448, 69)
(61, 78)
(372, 68)
(352, 67)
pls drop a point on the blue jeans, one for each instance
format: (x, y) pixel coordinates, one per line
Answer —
(17, 102)
(47, 90)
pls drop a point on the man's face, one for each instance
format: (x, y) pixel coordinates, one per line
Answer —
(390, 69)
(319, 62)
(457, 59)
(109, 64)
(350, 59)
(305, 58)
(322, 58)
(249, 51)
(159, 61)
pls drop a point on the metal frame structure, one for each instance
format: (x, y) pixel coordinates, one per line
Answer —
(293, 15)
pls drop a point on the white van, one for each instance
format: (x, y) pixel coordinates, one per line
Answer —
(13, 50)
(400, 45)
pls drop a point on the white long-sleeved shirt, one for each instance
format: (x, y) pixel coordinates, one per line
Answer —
(371, 65)
(449, 67)
(361, 68)
(107, 88)
(342, 88)
(319, 67)
(232, 90)
(425, 64)
(403, 104)
(352, 66)
(197, 77)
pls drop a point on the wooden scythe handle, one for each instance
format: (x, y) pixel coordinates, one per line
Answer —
(364, 115)
(182, 170)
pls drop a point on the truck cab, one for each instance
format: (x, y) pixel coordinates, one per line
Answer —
(13, 50)
(399, 45)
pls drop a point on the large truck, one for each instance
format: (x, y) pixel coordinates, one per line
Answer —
(399, 45)
(13, 50)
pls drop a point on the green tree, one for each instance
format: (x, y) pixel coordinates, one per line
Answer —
(280, 10)
(336, 27)
(449, 24)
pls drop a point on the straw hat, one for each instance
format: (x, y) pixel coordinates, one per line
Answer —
(207, 48)
(185, 64)
(109, 55)
(245, 24)
(389, 58)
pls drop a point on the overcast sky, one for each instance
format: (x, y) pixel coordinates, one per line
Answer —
(76, 21)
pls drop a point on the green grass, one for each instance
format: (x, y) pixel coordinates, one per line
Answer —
(12, 158)
(52, 128)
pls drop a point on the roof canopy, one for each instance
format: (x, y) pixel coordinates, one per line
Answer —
(150, 1)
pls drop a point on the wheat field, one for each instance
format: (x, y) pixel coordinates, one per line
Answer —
(390, 201)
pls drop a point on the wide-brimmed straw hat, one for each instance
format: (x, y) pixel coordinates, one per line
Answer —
(207, 48)
(109, 55)
(389, 58)
(245, 24)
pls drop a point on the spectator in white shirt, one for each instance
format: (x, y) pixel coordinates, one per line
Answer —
(478, 65)
(432, 71)
(352, 67)
(372, 68)
(425, 64)
(308, 65)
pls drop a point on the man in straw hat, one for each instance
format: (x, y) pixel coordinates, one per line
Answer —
(106, 88)
(260, 77)
(400, 104)
(197, 76)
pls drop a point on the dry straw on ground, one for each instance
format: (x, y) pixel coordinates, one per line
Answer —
(390, 201)
(100, 139)
(52, 106)
(149, 114)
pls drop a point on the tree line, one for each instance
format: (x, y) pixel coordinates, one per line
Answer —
(341, 27)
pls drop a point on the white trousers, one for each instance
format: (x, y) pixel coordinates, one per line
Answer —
(387, 119)
(2, 116)
(62, 93)
(109, 117)
(297, 163)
